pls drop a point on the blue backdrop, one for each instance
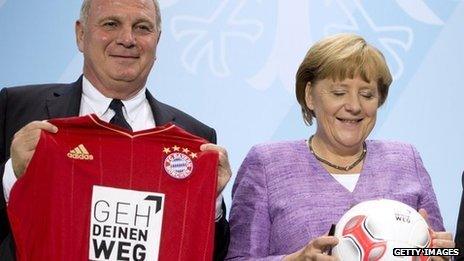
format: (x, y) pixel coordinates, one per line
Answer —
(231, 64)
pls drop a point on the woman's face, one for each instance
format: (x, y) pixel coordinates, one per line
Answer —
(345, 110)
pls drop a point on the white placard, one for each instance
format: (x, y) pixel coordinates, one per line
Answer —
(125, 224)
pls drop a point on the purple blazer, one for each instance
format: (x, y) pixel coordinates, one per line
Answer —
(283, 197)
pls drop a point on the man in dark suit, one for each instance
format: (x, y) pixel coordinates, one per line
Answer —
(118, 39)
(459, 239)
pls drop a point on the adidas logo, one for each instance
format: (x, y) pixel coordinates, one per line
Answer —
(80, 152)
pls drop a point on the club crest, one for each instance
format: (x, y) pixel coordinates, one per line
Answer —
(178, 162)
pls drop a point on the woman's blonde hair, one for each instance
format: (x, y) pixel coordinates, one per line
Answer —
(339, 57)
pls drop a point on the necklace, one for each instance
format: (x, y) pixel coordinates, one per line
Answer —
(352, 165)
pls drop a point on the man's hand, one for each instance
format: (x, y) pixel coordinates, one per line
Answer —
(24, 144)
(224, 172)
(440, 239)
(315, 250)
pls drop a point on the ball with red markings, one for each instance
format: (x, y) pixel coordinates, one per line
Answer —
(372, 229)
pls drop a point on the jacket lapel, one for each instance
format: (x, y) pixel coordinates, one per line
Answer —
(65, 101)
(161, 113)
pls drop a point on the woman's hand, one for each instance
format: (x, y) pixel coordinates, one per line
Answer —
(440, 239)
(315, 250)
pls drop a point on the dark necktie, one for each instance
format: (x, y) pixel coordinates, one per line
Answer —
(118, 118)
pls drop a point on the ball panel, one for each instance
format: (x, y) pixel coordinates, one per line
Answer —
(420, 235)
(348, 248)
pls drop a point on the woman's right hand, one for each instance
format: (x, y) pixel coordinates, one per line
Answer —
(315, 250)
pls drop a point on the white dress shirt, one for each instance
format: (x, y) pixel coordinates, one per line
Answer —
(136, 110)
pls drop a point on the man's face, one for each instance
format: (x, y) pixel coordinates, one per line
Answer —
(119, 42)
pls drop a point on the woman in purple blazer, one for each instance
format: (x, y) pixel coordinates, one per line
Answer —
(287, 194)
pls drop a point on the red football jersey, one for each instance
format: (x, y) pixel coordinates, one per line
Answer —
(93, 191)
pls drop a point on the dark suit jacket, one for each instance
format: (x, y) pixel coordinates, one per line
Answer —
(459, 239)
(21, 105)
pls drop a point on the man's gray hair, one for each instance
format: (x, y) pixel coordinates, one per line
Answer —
(86, 7)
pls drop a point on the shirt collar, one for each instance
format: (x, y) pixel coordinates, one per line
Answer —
(100, 103)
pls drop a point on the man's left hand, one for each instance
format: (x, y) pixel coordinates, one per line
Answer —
(224, 172)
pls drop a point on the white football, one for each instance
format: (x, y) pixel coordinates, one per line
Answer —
(372, 229)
